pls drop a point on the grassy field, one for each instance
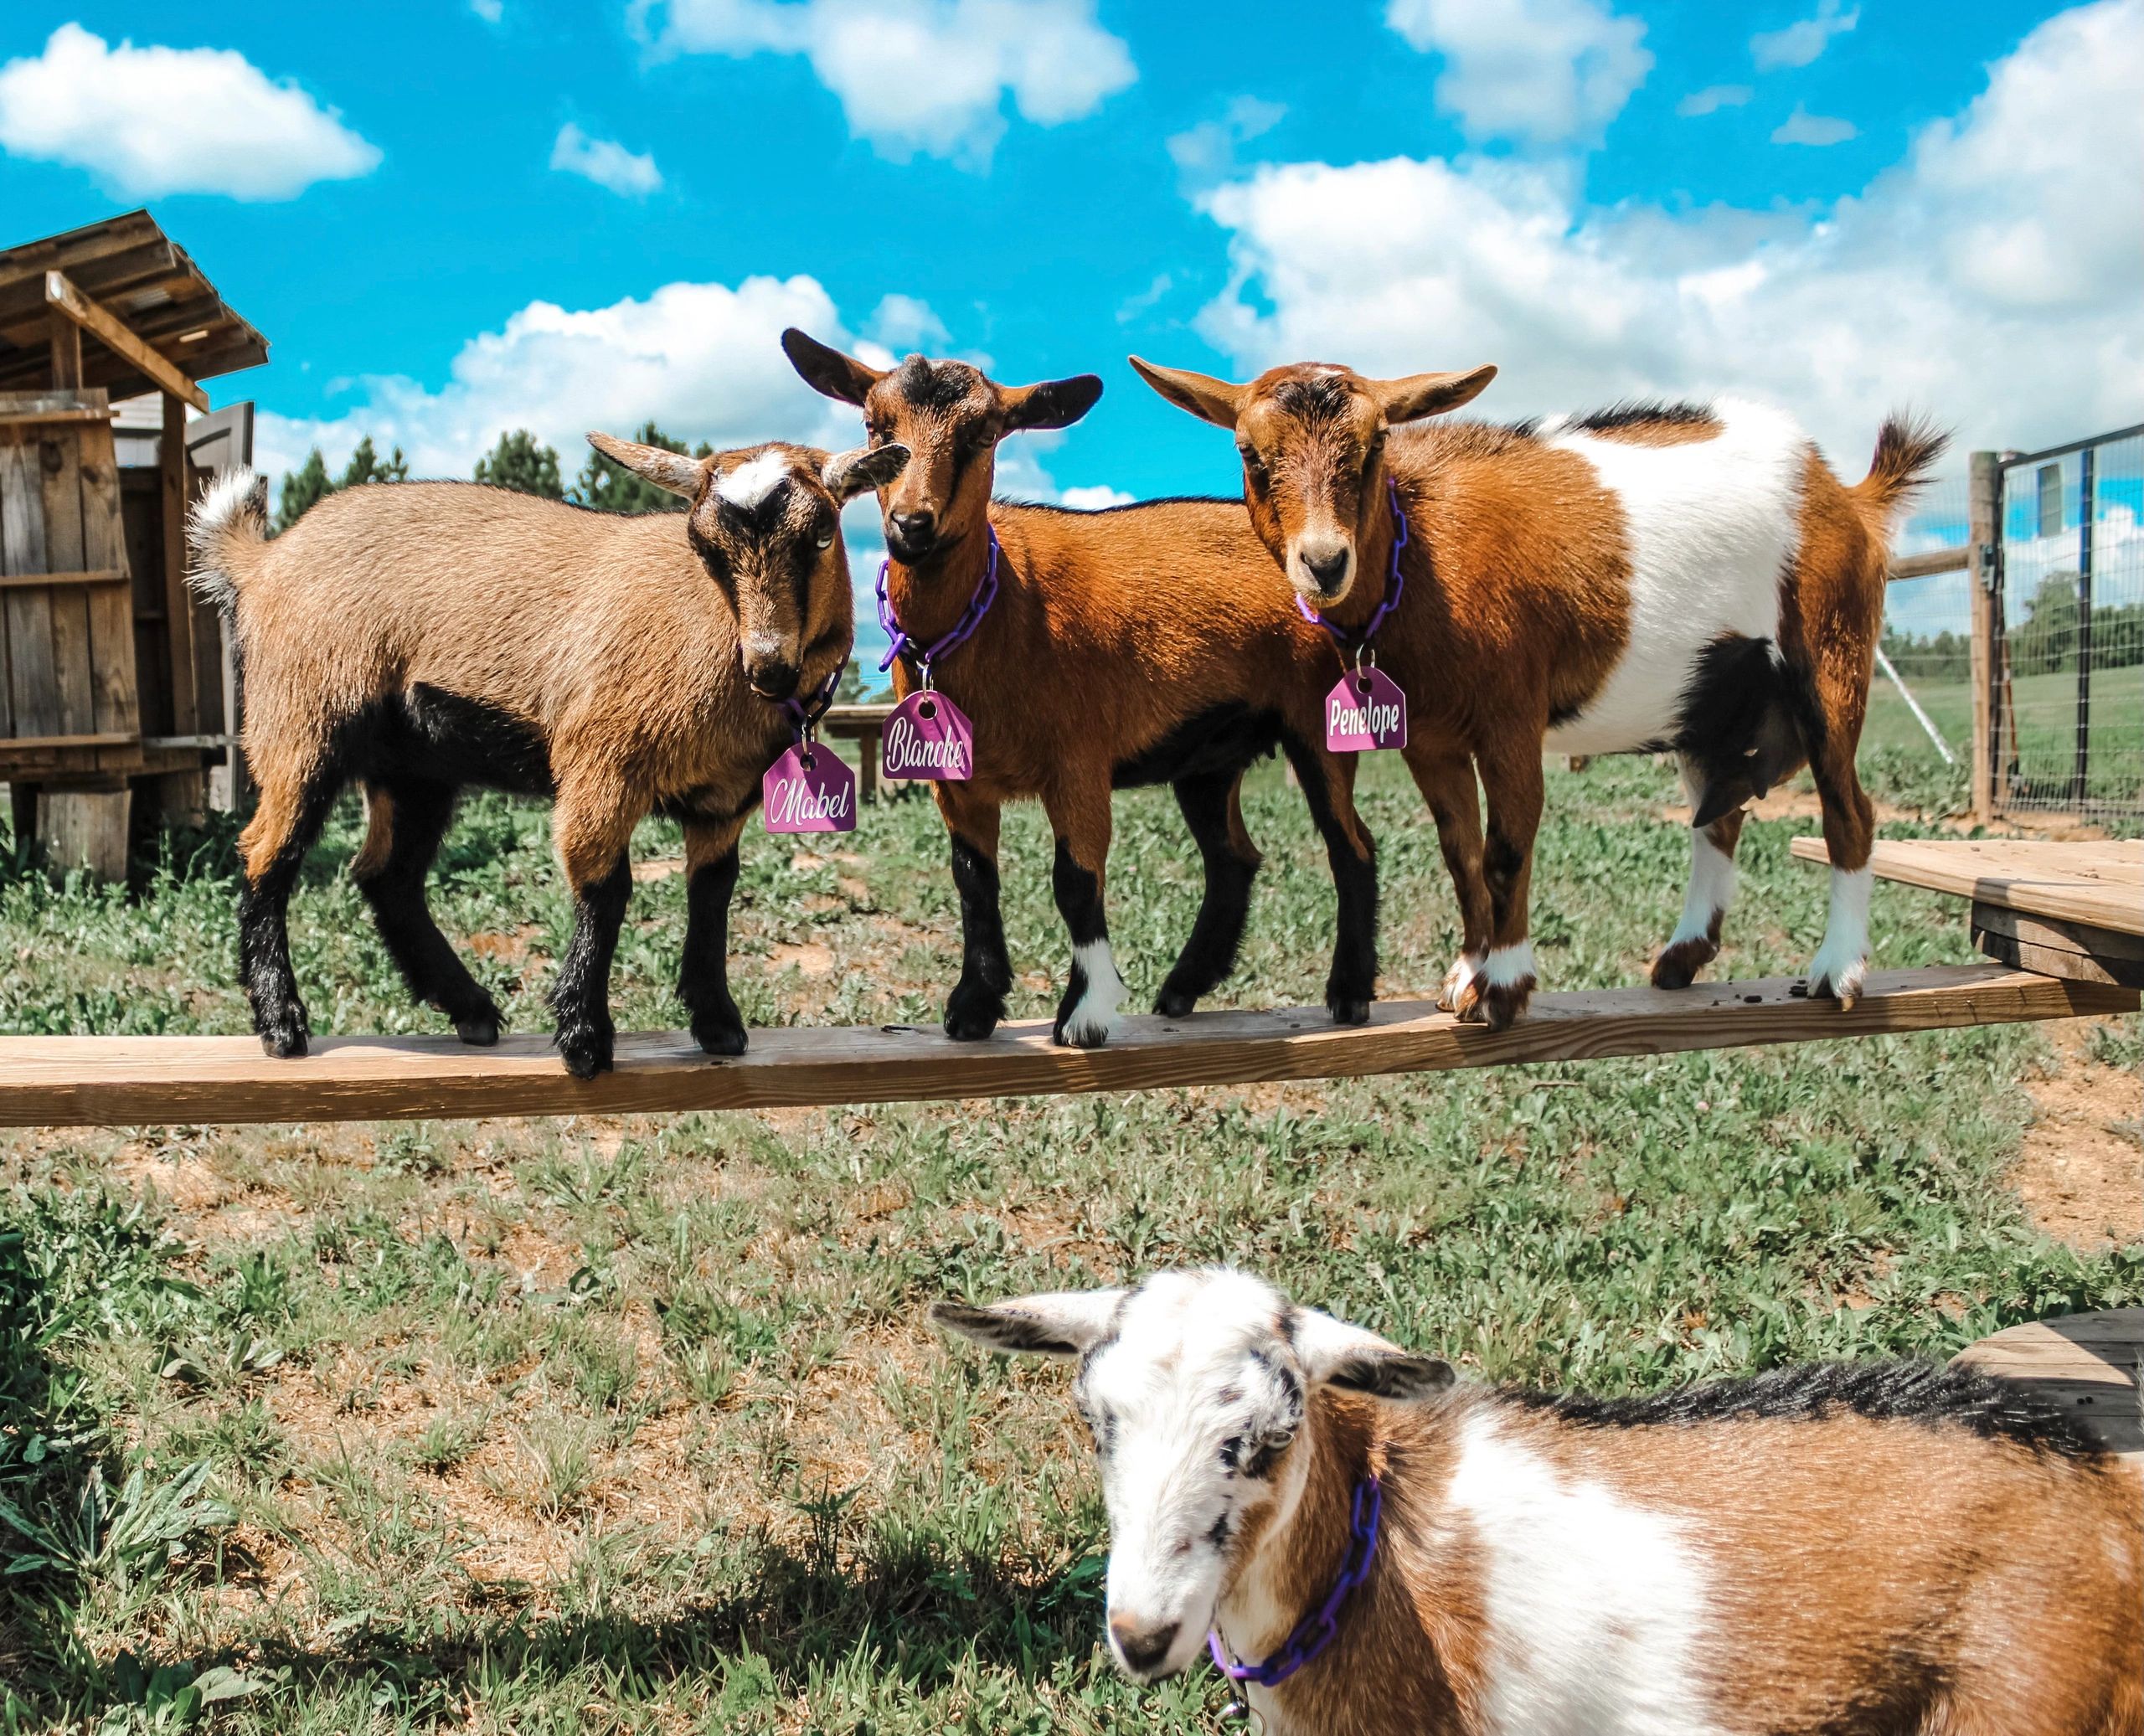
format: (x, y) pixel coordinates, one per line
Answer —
(2046, 725)
(632, 1425)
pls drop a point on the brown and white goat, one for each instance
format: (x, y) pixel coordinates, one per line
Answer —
(1888, 1549)
(1132, 645)
(422, 636)
(1650, 577)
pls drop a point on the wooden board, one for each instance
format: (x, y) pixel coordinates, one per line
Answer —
(2086, 1363)
(65, 1081)
(2056, 948)
(2099, 885)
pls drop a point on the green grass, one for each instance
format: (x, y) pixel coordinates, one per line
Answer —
(2046, 726)
(632, 1425)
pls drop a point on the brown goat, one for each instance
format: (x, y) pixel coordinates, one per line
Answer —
(1138, 644)
(423, 637)
(1878, 1549)
(1650, 577)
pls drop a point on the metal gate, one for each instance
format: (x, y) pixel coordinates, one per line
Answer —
(2066, 667)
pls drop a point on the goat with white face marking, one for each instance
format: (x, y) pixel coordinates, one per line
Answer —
(420, 637)
(1655, 576)
(1126, 647)
(1888, 1549)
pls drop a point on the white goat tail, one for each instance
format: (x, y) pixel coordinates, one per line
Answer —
(228, 526)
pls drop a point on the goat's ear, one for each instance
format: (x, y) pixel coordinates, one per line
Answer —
(1429, 394)
(1054, 1323)
(1335, 1354)
(1053, 404)
(849, 474)
(674, 470)
(1210, 399)
(828, 370)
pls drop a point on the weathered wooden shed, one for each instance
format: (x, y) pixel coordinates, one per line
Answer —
(113, 680)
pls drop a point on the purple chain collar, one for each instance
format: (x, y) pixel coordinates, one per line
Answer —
(1321, 1626)
(899, 645)
(1356, 642)
(806, 713)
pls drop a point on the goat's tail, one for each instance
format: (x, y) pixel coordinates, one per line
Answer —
(227, 530)
(1907, 447)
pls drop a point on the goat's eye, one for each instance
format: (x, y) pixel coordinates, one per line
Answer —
(1254, 465)
(825, 538)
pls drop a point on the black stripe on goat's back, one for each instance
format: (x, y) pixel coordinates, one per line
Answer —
(1924, 1393)
(1642, 413)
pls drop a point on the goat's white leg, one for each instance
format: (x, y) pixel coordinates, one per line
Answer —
(1706, 901)
(1841, 962)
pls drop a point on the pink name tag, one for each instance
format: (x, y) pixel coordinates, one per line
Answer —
(927, 737)
(809, 789)
(1366, 710)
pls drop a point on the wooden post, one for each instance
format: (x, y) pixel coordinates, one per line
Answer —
(1983, 579)
(181, 796)
(84, 829)
(66, 351)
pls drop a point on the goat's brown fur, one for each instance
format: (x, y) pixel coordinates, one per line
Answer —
(1136, 644)
(419, 636)
(1881, 1578)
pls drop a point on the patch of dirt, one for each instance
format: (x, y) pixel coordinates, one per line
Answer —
(657, 868)
(810, 958)
(2081, 1174)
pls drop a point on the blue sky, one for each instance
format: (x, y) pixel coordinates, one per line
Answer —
(450, 218)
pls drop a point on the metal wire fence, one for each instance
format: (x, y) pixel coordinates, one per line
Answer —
(1919, 732)
(2069, 660)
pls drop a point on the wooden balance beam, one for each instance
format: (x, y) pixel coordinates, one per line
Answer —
(124, 1081)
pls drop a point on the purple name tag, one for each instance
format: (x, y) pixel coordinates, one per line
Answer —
(1366, 710)
(927, 737)
(809, 789)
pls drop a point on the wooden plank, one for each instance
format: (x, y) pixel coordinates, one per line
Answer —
(84, 829)
(65, 338)
(91, 317)
(117, 699)
(2085, 1363)
(1933, 561)
(2099, 885)
(31, 671)
(10, 418)
(178, 613)
(59, 463)
(1983, 547)
(45, 744)
(18, 581)
(59, 1081)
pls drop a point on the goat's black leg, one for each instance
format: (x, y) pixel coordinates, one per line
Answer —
(285, 825)
(1213, 808)
(1328, 782)
(581, 997)
(977, 1002)
(407, 819)
(704, 983)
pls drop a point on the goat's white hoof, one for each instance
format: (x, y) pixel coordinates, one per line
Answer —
(1837, 978)
(1456, 980)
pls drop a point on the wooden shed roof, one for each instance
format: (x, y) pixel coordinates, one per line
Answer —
(130, 267)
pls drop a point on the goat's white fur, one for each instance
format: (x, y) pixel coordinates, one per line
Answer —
(753, 481)
(1709, 526)
(1464, 970)
(1093, 1020)
(1593, 1603)
(1841, 962)
(234, 498)
(1710, 893)
(1508, 965)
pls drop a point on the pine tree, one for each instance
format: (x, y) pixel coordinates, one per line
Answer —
(365, 466)
(610, 487)
(301, 487)
(522, 462)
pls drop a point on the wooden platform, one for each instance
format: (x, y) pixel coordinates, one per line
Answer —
(64, 1081)
(2067, 910)
(2086, 1363)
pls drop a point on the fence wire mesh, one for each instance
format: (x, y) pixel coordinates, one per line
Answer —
(2068, 700)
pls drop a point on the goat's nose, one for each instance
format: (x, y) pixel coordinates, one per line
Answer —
(914, 528)
(771, 674)
(1327, 567)
(1143, 1649)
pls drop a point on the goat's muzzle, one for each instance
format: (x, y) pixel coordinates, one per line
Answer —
(770, 673)
(1322, 569)
(1143, 1651)
(911, 536)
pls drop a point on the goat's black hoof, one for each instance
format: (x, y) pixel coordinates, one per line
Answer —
(478, 1031)
(972, 1014)
(586, 1050)
(718, 1036)
(1346, 1010)
(284, 1036)
(1077, 1033)
(1677, 965)
(1175, 1003)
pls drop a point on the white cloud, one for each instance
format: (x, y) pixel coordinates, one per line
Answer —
(490, 11)
(605, 161)
(148, 122)
(902, 323)
(1803, 128)
(1801, 43)
(1543, 71)
(1133, 305)
(1713, 98)
(1093, 497)
(1206, 153)
(703, 359)
(1992, 240)
(921, 76)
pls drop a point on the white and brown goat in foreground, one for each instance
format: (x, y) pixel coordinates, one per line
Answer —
(1649, 577)
(1888, 1549)
(422, 636)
